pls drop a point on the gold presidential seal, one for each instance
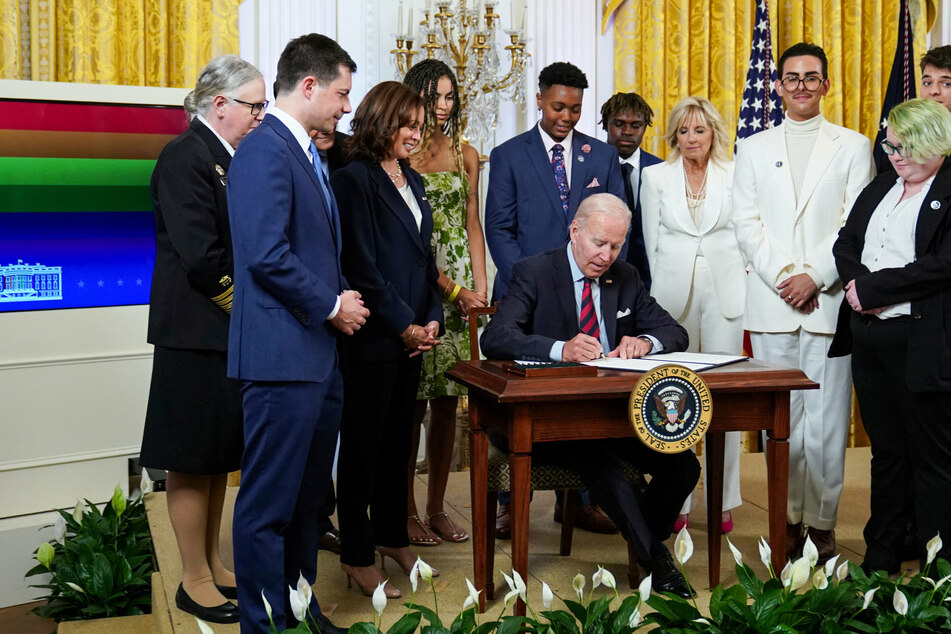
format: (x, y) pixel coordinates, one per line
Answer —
(670, 408)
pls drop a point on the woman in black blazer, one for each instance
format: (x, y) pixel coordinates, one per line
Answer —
(386, 256)
(894, 256)
(193, 425)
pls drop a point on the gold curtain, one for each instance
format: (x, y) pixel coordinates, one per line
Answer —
(124, 42)
(666, 50)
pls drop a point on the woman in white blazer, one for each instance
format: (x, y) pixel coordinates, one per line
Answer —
(697, 269)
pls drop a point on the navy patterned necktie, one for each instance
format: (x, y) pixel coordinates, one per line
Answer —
(561, 176)
(589, 319)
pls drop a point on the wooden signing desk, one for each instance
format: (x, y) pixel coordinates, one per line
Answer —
(748, 396)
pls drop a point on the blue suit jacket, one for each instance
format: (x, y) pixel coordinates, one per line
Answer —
(286, 261)
(636, 251)
(523, 213)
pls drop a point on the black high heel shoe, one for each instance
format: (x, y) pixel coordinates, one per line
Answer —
(227, 612)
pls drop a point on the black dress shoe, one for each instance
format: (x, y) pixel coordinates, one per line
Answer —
(227, 612)
(666, 577)
(324, 626)
(228, 592)
(330, 541)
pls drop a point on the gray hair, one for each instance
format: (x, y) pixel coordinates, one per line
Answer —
(605, 204)
(223, 75)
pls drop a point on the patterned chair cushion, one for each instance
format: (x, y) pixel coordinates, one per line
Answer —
(545, 477)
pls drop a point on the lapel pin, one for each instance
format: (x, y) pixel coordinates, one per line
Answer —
(779, 163)
(585, 148)
(581, 159)
(936, 205)
(219, 169)
(608, 281)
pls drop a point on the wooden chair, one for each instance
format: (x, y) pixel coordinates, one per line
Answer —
(545, 477)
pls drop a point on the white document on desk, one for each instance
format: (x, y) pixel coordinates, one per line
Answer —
(693, 360)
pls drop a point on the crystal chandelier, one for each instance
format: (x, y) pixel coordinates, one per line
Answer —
(465, 39)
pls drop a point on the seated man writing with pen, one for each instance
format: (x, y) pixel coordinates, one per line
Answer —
(579, 302)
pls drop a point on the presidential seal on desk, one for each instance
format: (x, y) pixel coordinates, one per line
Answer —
(670, 408)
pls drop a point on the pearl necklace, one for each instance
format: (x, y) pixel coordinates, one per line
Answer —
(394, 177)
(695, 199)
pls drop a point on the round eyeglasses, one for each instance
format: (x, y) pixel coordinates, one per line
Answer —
(256, 108)
(811, 83)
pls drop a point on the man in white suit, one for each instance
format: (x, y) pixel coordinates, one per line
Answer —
(793, 188)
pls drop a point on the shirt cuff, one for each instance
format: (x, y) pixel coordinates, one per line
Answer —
(336, 309)
(658, 346)
(556, 349)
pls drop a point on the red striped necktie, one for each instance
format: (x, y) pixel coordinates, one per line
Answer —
(589, 319)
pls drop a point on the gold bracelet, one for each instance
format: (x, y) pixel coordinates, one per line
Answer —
(455, 293)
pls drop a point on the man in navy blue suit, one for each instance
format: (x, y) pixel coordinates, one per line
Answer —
(538, 178)
(625, 117)
(290, 303)
(536, 182)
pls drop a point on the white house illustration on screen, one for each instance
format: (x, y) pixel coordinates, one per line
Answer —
(30, 282)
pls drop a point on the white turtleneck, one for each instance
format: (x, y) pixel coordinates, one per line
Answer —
(800, 139)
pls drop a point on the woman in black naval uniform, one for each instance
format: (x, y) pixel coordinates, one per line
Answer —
(193, 422)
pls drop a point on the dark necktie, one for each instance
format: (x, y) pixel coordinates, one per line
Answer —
(321, 178)
(561, 176)
(589, 319)
(626, 170)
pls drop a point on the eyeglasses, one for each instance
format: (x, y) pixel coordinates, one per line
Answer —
(811, 82)
(890, 149)
(256, 108)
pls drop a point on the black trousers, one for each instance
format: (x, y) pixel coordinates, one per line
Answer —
(910, 433)
(375, 443)
(645, 518)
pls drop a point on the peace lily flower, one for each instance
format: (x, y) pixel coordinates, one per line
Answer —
(842, 571)
(900, 602)
(635, 619)
(304, 589)
(267, 606)
(297, 603)
(830, 566)
(578, 584)
(644, 590)
(145, 483)
(78, 511)
(547, 595)
(75, 587)
(934, 545)
(784, 575)
(379, 598)
(59, 529)
(118, 501)
(737, 556)
(516, 586)
(809, 552)
(702, 620)
(868, 597)
(819, 580)
(799, 573)
(765, 554)
(683, 546)
(602, 576)
(425, 571)
(44, 554)
(473, 598)
(203, 627)
(414, 574)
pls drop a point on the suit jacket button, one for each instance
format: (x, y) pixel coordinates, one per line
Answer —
(916, 315)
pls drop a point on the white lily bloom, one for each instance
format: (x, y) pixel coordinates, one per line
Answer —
(297, 603)
(75, 587)
(842, 571)
(473, 598)
(810, 552)
(868, 597)
(900, 602)
(379, 598)
(414, 575)
(519, 584)
(602, 576)
(765, 554)
(683, 546)
(578, 584)
(819, 580)
(145, 483)
(203, 627)
(644, 590)
(425, 571)
(702, 620)
(78, 511)
(513, 591)
(267, 606)
(830, 566)
(547, 596)
(934, 545)
(785, 575)
(799, 574)
(59, 529)
(737, 556)
(942, 581)
(304, 589)
(635, 619)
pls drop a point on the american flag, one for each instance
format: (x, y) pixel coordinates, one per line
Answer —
(901, 81)
(761, 107)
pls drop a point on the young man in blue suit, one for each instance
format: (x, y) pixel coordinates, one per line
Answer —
(573, 303)
(625, 117)
(290, 303)
(538, 178)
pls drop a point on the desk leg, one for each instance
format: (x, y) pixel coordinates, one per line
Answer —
(520, 468)
(713, 447)
(777, 471)
(478, 487)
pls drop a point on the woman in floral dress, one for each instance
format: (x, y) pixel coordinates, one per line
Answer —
(450, 171)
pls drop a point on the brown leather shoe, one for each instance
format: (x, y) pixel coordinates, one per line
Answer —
(794, 540)
(591, 519)
(330, 541)
(503, 523)
(824, 541)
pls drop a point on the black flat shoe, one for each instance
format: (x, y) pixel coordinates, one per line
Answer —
(324, 626)
(227, 612)
(228, 592)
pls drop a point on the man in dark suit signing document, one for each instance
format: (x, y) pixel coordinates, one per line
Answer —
(574, 303)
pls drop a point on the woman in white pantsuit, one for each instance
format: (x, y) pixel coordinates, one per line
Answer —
(697, 269)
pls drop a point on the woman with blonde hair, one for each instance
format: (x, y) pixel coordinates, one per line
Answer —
(695, 262)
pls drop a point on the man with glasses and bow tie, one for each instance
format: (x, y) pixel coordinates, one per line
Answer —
(793, 188)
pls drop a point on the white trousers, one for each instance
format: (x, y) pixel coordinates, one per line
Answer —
(711, 332)
(818, 423)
